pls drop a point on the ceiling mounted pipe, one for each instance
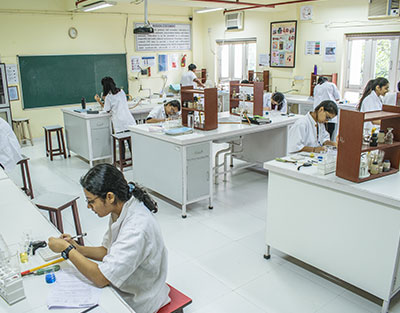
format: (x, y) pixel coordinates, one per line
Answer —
(242, 9)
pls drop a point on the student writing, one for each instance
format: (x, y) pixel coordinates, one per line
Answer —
(132, 257)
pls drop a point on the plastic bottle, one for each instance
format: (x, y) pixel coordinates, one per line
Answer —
(83, 103)
(315, 69)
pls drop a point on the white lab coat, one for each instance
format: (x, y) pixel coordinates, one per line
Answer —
(136, 259)
(120, 115)
(371, 103)
(325, 91)
(187, 79)
(10, 150)
(303, 133)
(267, 103)
(158, 113)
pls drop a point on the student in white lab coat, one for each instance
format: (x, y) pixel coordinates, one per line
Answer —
(115, 102)
(190, 78)
(371, 99)
(132, 257)
(10, 150)
(308, 133)
(161, 112)
(391, 97)
(275, 102)
(325, 90)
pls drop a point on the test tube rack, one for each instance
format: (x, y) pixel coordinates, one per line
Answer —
(11, 286)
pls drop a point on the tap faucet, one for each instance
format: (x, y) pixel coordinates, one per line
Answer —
(142, 89)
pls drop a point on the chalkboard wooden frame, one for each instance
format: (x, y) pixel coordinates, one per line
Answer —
(54, 80)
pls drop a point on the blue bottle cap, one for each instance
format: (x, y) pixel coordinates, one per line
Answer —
(50, 278)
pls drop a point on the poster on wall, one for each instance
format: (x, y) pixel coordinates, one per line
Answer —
(283, 43)
(330, 51)
(135, 64)
(174, 61)
(162, 62)
(148, 61)
(313, 48)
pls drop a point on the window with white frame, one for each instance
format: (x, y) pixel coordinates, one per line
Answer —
(370, 56)
(235, 58)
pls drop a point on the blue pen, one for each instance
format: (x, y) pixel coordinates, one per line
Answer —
(91, 308)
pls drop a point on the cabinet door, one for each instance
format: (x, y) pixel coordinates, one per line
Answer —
(198, 178)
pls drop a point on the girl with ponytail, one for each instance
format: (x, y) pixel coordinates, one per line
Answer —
(133, 257)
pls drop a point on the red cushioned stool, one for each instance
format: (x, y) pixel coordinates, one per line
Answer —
(178, 302)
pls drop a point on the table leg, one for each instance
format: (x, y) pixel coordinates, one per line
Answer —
(385, 306)
(267, 254)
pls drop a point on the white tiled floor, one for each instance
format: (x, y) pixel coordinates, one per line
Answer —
(216, 256)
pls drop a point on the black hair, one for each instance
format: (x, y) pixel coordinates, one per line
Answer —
(104, 178)
(109, 85)
(329, 106)
(398, 86)
(245, 81)
(371, 86)
(192, 67)
(321, 80)
(278, 97)
(174, 103)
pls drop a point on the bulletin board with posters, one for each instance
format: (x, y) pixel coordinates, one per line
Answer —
(283, 43)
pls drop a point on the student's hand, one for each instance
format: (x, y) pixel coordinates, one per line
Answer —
(319, 149)
(96, 97)
(68, 238)
(58, 244)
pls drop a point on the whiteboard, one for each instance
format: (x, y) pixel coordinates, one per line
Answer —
(165, 37)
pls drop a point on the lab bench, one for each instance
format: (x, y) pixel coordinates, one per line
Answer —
(348, 230)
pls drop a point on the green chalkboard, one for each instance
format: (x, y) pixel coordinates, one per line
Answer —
(65, 79)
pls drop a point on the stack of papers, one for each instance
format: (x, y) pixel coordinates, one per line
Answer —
(72, 290)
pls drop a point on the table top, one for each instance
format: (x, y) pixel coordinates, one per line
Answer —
(223, 130)
(3, 174)
(19, 215)
(383, 190)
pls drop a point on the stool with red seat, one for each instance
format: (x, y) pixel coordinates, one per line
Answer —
(178, 302)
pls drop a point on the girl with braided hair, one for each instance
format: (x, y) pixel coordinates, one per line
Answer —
(133, 257)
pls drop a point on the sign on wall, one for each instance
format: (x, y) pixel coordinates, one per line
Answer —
(283, 44)
(165, 37)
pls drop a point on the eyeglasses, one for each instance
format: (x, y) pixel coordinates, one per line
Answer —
(90, 202)
(328, 118)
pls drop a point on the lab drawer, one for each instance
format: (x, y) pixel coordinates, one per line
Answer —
(198, 151)
(100, 123)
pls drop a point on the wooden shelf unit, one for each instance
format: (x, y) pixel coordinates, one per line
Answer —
(350, 145)
(314, 79)
(202, 75)
(210, 106)
(263, 76)
(258, 93)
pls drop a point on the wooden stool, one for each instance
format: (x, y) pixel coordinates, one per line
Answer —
(49, 144)
(26, 177)
(54, 203)
(20, 131)
(178, 302)
(121, 138)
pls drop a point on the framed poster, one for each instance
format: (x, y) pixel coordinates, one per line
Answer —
(283, 43)
(13, 93)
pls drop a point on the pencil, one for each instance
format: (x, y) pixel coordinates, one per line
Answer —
(91, 308)
(247, 119)
(41, 266)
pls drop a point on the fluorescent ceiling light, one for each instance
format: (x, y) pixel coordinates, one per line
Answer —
(209, 10)
(97, 5)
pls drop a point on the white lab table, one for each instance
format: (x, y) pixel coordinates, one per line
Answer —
(89, 135)
(348, 230)
(19, 215)
(3, 174)
(180, 167)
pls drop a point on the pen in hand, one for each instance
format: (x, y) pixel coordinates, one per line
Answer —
(79, 236)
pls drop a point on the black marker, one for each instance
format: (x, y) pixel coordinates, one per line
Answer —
(91, 308)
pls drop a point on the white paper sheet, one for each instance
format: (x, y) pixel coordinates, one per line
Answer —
(72, 290)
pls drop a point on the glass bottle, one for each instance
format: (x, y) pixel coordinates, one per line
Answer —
(389, 136)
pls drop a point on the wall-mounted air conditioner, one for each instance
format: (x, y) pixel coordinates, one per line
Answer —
(234, 21)
(383, 9)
